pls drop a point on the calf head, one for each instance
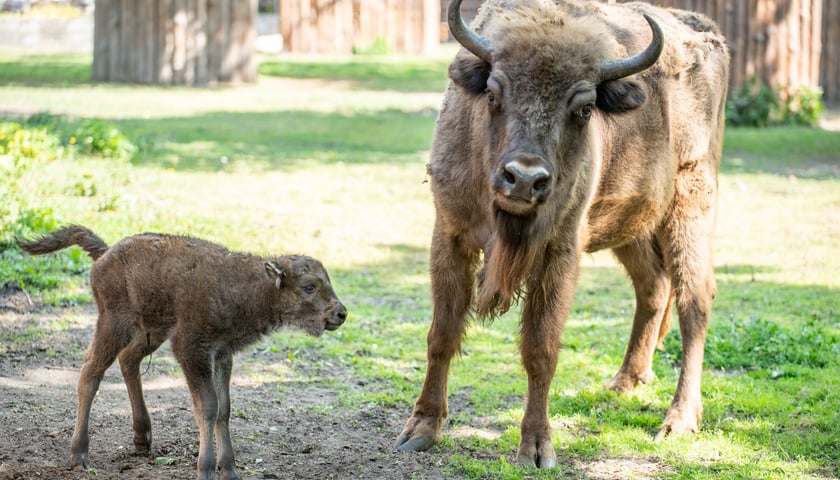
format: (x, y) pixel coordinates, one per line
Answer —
(305, 296)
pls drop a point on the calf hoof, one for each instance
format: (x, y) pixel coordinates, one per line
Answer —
(232, 474)
(537, 454)
(419, 434)
(79, 462)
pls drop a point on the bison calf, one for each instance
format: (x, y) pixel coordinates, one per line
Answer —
(208, 301)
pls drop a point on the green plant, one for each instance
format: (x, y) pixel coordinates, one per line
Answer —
(97, 137)
(752, 104)
(756, 104)
(803, 106)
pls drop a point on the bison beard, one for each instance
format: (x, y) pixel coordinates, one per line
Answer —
(515, 253)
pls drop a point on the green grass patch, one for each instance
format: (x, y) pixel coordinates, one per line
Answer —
(328, 159)
(372, 73)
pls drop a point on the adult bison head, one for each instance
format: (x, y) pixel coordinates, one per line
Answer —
(536, 80)
(543, 77)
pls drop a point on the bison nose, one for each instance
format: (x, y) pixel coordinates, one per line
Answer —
(524, 179)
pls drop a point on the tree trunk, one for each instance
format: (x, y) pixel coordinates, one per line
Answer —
(175, 42)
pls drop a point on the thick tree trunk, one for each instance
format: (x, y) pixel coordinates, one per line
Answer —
(175, 42)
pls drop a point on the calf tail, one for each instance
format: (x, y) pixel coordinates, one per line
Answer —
(63, 238)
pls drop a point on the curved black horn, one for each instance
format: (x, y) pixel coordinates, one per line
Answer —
(478, 45)
(616, 69)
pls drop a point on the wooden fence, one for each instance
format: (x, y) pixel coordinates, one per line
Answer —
(340, 26)
(174, 42)
(777, 41)
(785, 43)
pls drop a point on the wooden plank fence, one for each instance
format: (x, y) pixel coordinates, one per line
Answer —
(340, 26)
(777, 41)
(175, 42)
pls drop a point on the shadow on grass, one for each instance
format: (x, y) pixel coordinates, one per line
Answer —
(799, 151)
(66, 70)
(277, 140)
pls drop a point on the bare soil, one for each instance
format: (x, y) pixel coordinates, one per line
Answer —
(281, 431)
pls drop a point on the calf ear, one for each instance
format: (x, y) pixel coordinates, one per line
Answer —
(275, 271)
(469, 72)
(616, 96)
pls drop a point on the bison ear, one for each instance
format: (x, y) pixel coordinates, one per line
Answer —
(616, 96)
(275, 272)
(469, 72)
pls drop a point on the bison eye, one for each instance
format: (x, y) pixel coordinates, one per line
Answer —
(586, 111)
(309, 289)
(491, 100)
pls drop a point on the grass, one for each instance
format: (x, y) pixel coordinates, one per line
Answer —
(328, 159)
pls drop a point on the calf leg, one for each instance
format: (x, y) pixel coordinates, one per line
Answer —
(546, 308)
(108, 340)
(221, 378)
(197, 364)
(645, 266)
(452, 284)
(687, 247)
(130, 360)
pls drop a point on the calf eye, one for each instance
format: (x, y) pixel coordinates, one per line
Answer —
(491, 100)
(308, 289)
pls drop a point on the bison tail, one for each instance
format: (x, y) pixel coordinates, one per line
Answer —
(63, 238)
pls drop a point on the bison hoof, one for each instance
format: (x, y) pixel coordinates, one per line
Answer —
(537, 455)
(678, 422)
(414, 444)
(419, 434)
(625, 382)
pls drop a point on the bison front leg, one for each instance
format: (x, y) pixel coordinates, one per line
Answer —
(197, 363)
(546, 308)
(452, 280)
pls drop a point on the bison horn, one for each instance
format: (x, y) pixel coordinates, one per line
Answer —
(472, 41)
(616, 69)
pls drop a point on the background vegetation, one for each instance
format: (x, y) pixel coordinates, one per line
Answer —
(328, 158)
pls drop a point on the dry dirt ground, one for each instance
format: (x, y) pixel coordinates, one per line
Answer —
(277, 432)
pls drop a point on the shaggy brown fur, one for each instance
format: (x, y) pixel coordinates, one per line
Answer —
(536, 160)
(208, 301)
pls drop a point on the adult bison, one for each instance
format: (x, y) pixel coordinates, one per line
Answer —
(556, 138)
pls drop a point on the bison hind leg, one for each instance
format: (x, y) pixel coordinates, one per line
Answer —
(644, 263)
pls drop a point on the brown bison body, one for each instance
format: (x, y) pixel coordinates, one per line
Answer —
(208, 301)
(570, 127)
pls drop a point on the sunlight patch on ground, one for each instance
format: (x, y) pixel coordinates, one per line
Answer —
(625, 468)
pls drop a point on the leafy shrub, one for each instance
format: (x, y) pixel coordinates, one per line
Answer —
(96, 137)
(21, 149)
(756, 104)
(752, 104)
(804, 106)
(44, 138)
